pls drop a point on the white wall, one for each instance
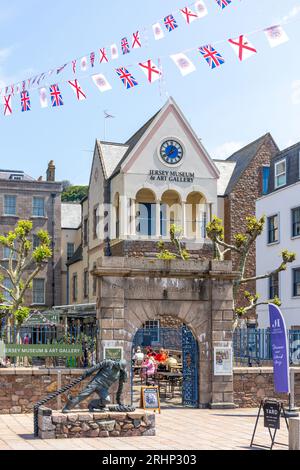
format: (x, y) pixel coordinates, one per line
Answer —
(268, 257)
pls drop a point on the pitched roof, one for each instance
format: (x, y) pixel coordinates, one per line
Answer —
(14, 175)
(114, 154)
(243, 159)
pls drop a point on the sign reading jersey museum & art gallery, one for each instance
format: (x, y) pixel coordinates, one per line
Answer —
(43, 350)
(172, 176)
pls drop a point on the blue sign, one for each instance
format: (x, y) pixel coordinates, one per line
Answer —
(280, 350)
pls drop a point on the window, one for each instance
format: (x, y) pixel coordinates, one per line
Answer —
(70, 250)
(38, 292)
(296, 282)
(7, 253)
(36, 242)
(74, 287)
(273, 229)
(274, 286)
(153, 328)
(8, 284)
(280, 174)
(265, 179)
(85, 232)
(10, 205)
(296, 222)
(86, 284)
(94, 281)
(95, 222)
(38, 207)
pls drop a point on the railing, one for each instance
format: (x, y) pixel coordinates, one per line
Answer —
(51, 335)
(252, 347)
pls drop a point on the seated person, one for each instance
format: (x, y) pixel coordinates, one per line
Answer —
(150, 352)
(138, 357)
(148, 367)
(171, 362)
(161, 357)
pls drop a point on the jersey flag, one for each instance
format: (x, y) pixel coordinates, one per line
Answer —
(189, 15)
(77, 89)
(7, 105)
(242, 47)
(151, 71)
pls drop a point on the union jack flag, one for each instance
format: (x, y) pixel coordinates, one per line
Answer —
(92, 58)
(56, 97)
(25, 101)
(125, 46)
(128, 80)
(170, 23)
(212, 57)
(223, 3)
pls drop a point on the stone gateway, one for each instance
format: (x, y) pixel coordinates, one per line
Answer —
(199, 294)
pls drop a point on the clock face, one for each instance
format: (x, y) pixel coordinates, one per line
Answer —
(171, 152)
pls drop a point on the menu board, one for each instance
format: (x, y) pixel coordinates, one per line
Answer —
(223, 361)
(150, 398)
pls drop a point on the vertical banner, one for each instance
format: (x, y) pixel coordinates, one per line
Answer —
(280, 350)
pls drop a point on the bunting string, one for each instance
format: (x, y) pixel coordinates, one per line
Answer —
(151, 70)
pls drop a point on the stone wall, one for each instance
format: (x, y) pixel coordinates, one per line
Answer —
(251, 385)
(21, 389)
(148, 249)
(241, 203)
(55, 425)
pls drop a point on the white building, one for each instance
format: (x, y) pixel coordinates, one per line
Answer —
(281, 206)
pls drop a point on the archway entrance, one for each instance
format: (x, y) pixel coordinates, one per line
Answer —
(168, 358)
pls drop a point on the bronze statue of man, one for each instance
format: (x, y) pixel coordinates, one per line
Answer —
(108, 373)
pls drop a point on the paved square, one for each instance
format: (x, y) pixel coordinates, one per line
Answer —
(177, 429)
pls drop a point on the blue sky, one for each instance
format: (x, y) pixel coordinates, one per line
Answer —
(227, 107)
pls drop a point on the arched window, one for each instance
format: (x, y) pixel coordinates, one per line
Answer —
(196, 215)
(171, 211)
(146, 213)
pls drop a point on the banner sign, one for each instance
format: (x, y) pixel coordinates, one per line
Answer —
(280, 350)
(272, 411)
(223, 361)
(43, 350)
(38, 319)
(113, 354)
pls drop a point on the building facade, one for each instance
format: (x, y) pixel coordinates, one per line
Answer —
(24, 198)
(281, 206)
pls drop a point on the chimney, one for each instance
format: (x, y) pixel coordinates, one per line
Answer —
(51, 172)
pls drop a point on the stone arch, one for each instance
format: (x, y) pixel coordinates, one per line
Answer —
(171, 211)
(145, 212)
(134, 291)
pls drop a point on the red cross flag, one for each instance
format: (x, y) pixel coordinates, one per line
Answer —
(151, 71)
(201, 9)
(101, 82)
(242, 47)
(103, 56)
(158, 31)
(136, 40)
(7, 105)
(184, 64)
(189, 15)
(77, 89)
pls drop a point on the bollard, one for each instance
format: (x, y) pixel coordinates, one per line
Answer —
(294, 434)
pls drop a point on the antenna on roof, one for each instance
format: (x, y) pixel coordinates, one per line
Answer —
(107, 116)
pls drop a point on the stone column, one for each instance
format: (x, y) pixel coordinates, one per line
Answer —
(133, 217)
(124, 217)
(222, 335)
(184, 219)
(157, 219)
(198, 222)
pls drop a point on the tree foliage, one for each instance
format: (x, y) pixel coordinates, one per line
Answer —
(74, 193)
(23, 266)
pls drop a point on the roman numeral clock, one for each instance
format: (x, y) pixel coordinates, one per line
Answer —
(171, 152)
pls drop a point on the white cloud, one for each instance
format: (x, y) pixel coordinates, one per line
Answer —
(292, 13)
(296, 92)
(227, 149)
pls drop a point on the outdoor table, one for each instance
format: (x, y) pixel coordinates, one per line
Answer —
(172, 377)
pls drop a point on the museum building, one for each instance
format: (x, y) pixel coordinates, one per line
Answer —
(162, 176)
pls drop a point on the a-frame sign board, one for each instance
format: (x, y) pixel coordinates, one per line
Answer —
(272, 411)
